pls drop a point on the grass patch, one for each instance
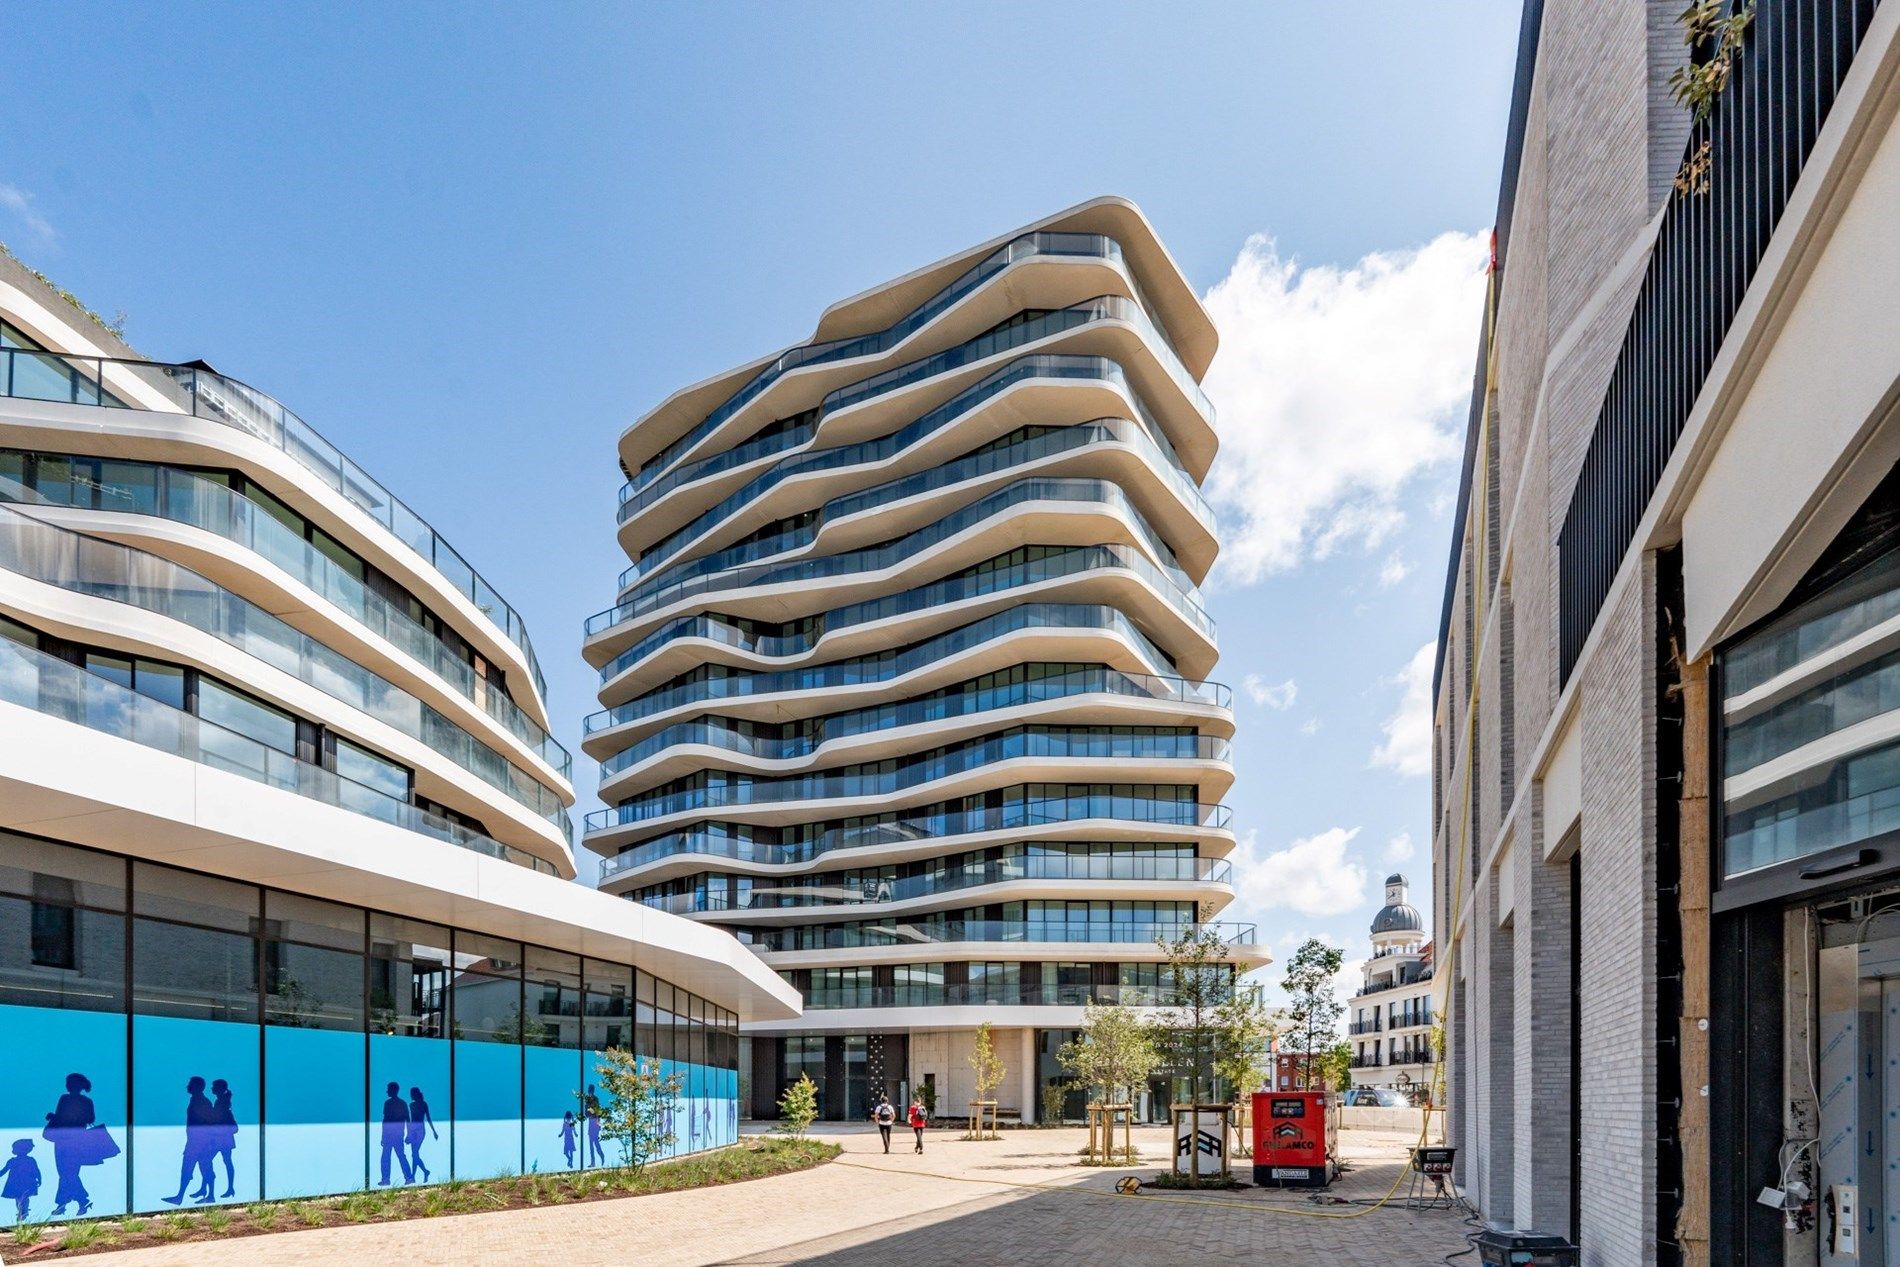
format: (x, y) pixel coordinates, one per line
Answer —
(749, 1159)
(1216, 1183)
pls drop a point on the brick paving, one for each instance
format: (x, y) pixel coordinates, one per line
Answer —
(959, 1203)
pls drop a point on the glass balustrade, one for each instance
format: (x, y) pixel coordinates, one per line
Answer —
(1016, 744)
(909, 829)
(998, 994)
(104, 569)
(874, 891)
(32, 679)
(1059, 562)
(721, 734)
(1042, 326)
(37, 375)
(872, 670)
(1101, 432)
(1029, 245)
(187, 498)
(1143, 434)
(723, 569)
(934, 932)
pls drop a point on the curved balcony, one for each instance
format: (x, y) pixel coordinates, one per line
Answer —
(184, 497)
(1102, 681)
(1101, 433)
(1101, 308)
(97, 568)
(191, 389)
(875, 892)
(1030, 245)
(840, 675)
(1072, 562)
(1143, 434)
(32, 679)
(910, 829)
(1065, 561)
(727, 569)
(1048, 743)
(989, 994)
(940, 932)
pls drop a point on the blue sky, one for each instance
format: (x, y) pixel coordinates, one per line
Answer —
(471, 242)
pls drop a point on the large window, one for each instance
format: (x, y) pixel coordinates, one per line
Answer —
(1810, 705)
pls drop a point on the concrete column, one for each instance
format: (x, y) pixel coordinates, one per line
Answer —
(1026, 1077)
(1542, 1022)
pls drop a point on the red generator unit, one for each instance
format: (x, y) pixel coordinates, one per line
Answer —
(1295, 1139)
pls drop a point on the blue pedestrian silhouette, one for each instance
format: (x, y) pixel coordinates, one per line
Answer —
(420, 1120)
(395, 1134)
(66, 1130)
(22, 1175)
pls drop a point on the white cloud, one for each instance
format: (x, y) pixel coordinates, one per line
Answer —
(1408, 732)
(1278, 698)
(1311, 726)
(1400, 847)
(20, 203)
(1335, 386)
(1393, 570)
(1311, 875)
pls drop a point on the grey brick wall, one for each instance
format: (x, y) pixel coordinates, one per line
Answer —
(1618, 998)
(1540, 953)
(1601, 141)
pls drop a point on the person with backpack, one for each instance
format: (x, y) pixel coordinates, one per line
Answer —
(886, 1117)
(918, 1120)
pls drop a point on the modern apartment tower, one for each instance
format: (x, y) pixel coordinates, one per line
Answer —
(905, 682)
(1667, 764)
(284, 845)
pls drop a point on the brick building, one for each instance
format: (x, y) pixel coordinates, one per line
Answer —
(1667, 750)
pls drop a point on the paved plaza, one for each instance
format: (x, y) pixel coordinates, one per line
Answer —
(1017, 1200)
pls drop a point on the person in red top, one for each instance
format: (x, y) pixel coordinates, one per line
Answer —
(918, 1121)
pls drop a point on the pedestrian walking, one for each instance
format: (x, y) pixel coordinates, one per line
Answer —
(886, 1117)
(918, 1121)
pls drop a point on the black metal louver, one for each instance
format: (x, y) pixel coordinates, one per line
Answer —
(1760, 133)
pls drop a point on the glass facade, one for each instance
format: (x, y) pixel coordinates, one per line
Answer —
(1810, 705)
(173, 1038)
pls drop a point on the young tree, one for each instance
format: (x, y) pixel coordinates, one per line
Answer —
(1115, 1053)
(1313, 1010)
(1197, 1035)
(1244, 1033)
(634, 1104)
(1335, 1066)
(988, 1073)
(798, 1107)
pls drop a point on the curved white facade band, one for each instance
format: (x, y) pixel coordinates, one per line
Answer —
(905, 682)
(281, 818)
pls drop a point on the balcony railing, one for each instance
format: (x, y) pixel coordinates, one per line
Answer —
(32, 679)
(1095, 682)
(1019, 743)
(870, 670)
(185, 497)
(1142, 434)
(1088, 245)
(1372, 1026)
(98, 568)
(191, 389)
(1760, 132)
(1009, 817)
(987, 995)
(1166, 576)
(793, 895)
(938, 932)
